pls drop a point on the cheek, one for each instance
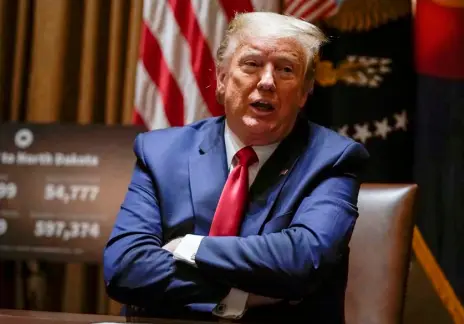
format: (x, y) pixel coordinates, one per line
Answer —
(300, 98)
(291, 97)
(233, 93)
(238, 89)
(241, 82)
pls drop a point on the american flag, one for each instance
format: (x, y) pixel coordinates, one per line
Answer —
(175, 78)
(311, 10)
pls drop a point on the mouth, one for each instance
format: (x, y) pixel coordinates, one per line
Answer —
(262, 106)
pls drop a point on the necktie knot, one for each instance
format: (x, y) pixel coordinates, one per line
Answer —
(246, 156)
(233, 201)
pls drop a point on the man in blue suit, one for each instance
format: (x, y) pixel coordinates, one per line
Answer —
(248, 216)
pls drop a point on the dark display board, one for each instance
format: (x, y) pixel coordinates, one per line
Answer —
(61, 187)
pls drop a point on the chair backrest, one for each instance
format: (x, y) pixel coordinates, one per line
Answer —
(380, 254)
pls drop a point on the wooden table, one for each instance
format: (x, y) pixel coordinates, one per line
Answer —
(10, 316)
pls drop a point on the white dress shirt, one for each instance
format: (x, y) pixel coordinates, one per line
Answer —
(234, 304)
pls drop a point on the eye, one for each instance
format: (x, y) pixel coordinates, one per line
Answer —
(251, 63)
(250, 66)
(287, 69)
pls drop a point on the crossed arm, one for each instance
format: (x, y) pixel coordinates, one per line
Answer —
(284, 265)
(137, 270)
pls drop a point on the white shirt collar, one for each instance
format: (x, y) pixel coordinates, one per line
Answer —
(233, 145)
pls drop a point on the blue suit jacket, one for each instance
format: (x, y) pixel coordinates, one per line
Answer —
(293, 243)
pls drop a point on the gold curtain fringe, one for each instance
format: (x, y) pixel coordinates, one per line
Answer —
(443, 288)
(364, 15)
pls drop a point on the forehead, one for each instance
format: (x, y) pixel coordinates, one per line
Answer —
(272, 47)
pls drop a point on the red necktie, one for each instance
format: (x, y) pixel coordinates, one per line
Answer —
(231, 206)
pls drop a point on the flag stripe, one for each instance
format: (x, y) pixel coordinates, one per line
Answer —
(323, 8)
(294, 6)
(266, 5)
(202, 60)
(332, 10)
(311, 10)
(137, 119)
(307, 7)
(159, 72)
(141, 85)
(315, 10)
(176, 52)
(148, 96)
(212, 20)
(231, 7)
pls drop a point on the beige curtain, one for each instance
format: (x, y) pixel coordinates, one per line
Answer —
(69, 61)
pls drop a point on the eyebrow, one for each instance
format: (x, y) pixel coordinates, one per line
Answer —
(250, 53)
(287, 57)
(279, 57)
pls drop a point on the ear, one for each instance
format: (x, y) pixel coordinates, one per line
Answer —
(220, 84)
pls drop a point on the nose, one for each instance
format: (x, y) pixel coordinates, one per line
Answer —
(267, 82)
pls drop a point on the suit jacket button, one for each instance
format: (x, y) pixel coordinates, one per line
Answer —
(220, 308)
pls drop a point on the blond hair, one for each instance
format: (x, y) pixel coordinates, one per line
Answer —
(269, 24)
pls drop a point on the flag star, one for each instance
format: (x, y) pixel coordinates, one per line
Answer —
(362, 132)
(382, 128)
(343, 130)
(384, 69)
(401, 120)
(362, 79)
(385, 61)
(350, 80)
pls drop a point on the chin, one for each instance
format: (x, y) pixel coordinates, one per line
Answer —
(256, 125)
(252, 121)
(260, 132)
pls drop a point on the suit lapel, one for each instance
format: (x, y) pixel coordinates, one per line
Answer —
(208, 174)
(271, 178)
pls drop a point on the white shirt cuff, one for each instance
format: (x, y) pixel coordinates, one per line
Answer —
(187, 248)
(233, 306)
